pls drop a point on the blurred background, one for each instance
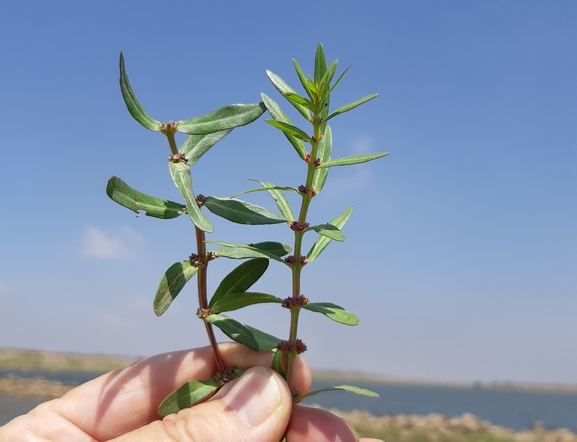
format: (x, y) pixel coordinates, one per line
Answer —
(460, 255)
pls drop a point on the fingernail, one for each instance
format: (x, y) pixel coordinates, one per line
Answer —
(255, 396)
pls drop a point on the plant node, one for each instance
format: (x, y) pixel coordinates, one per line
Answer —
(317, 162)
(226, 376)
(203, 313)
(291, 302)
(300, 346)
(194, 259)
(170, 127)
(200, 199)
(290, 260)
(303, 189)
(298, 227)
(307, 157)
(289, 347)
(285, 346)
(177, 158)
(313, 192)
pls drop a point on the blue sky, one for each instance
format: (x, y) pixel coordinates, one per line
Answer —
(461, 253)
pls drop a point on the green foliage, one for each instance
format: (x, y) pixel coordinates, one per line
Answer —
(172, 282)
(269, 249)
(180, 174)
(328, 230)
(248, 250)
(234, 301)
(241, 212)
(189, 394)
(356, 159)
(324, 151)
(134, 200)
(234, 330)
(195, 146)
(313, 142)
(132, 103)
(240, 279)
(225, 118)
(334, 312)
(323, 241)
(349, 388)
(289, 129)
(278, 114)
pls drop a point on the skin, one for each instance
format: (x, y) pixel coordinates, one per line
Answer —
(122, 405)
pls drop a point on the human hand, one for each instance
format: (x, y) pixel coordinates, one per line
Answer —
(122, 405)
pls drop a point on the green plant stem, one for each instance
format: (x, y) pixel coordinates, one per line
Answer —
(297, 267)
(172, 142)
(202, 295)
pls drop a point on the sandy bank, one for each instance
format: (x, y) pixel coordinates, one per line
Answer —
(438, 428)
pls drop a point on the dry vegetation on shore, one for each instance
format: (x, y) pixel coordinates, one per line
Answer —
(438, 428)
(51, 360)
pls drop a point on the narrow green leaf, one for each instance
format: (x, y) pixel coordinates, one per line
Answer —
(327, 78)
(338, 81)
(278, 114)
(277, 365)
(241, 212)
(195, 146)
(324, 153)
(297, 99)
(134, 200)
(234, 330)
(282, 87)
(172, 282)
(334, 312)
(320, 63)
(349, 388)
(265, 341)
(260, 189)
(270, 249)
(289, 129)
(187, 395)
(322, 241)
(240, 279)
(180, 174)
(329, 231)
(279, 198)
(348, 107)
(227, 117)
(355, 159)
(132, 103)
(234, 301)
(304, 80)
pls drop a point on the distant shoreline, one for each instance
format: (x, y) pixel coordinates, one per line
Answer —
(493, 385)
(23, 359)
(399, 428)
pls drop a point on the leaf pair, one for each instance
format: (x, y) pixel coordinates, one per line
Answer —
(224, 118)
(232, 294)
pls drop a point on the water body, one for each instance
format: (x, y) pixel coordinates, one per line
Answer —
(518, 410)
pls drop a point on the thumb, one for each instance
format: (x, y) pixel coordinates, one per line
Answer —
(255, 407)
